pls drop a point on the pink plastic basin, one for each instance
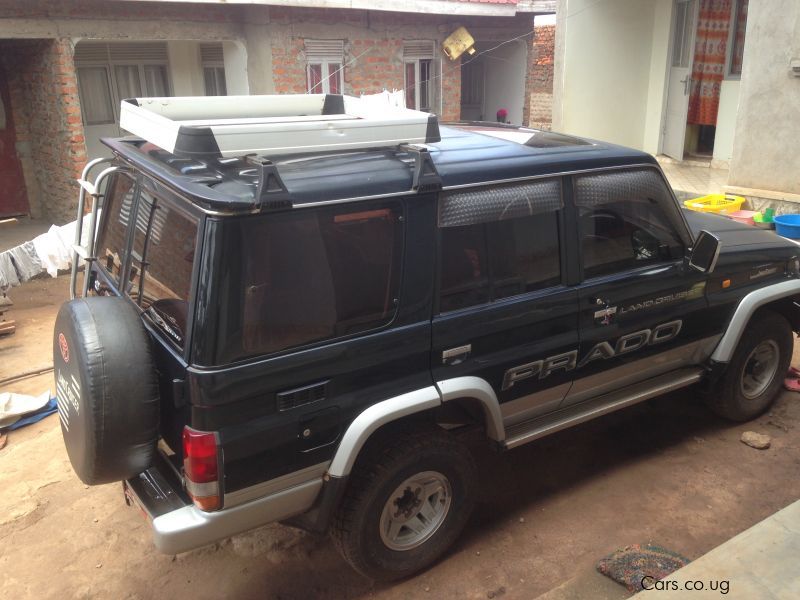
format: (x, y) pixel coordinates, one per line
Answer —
(743, 216)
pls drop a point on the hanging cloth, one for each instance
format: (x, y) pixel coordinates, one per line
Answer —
(708, 68)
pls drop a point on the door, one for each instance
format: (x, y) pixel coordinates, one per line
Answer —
(680, 77)
(13, 198)
(504, 313)
(642, 312)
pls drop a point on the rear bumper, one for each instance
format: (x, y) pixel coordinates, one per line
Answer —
(179, 526)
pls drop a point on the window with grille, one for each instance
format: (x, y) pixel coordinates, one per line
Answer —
(213, 60)
(324, 60)
(422, 76)
(111, 72)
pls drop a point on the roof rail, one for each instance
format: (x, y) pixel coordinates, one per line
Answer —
(236, 126)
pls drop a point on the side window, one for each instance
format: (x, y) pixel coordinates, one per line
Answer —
(498, 242)
(626, 220)
(311, 275)
(162, 257)
(113, 232)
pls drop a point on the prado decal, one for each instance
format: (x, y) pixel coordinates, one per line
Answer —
(568, 361)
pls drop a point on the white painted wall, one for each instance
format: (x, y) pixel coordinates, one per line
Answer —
(726, 121)
(505, 81)
(659, 81)
(766, 144)
(185, 71)
(610, 72)
(235, 56)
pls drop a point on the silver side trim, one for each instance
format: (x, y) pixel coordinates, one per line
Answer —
(189, 527)
(693, 353)
(275, 485)
(749, 304)
(478, 388)
(374, 417)
(533, 405)
(579, 413)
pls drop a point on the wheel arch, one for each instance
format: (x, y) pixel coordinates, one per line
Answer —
(780, 297)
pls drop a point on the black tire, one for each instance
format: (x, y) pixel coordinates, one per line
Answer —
(730, 397)
(355, 528)
(107, 389)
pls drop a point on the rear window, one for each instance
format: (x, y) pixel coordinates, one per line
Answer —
(160, 261)
(311, 275)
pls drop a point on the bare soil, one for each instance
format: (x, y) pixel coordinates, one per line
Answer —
(666, 471)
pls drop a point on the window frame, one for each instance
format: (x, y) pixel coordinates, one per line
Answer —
(109, 88)
(326, 74)
(564, 259)
(211, 355)
(329, 55)
(110, 65)
(416, 54)
(731, 42)
(679, 226)
(186, 209)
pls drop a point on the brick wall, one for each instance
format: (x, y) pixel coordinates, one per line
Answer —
(539, 81)
(46, 107)
(373, 50)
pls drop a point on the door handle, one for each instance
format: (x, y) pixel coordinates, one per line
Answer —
(686, 81)
(455, 356)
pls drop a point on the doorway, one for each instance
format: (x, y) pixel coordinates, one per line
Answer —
(13, 196)
(705, 57)
(494, 81)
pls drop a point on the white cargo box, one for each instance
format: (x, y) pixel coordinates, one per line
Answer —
(213, 126)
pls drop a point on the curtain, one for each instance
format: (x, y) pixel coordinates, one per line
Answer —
(708, 68)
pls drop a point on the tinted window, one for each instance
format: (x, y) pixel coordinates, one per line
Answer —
(624, 223)
(112, 235)
(495, 260)
(162, 256)
(311, 275)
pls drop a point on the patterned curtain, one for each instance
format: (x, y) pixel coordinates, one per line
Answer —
(708, 69)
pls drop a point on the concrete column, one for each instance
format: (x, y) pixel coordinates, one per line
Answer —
(259, 50)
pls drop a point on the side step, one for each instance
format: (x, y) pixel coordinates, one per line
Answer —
(527, 431)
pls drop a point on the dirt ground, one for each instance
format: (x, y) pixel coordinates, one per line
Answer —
(665, 471)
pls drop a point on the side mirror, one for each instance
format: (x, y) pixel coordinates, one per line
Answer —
(705, 252)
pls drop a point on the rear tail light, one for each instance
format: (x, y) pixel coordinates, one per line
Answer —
(201, 468)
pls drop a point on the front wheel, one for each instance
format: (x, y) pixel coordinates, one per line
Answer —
(757, 369)
(406, 503)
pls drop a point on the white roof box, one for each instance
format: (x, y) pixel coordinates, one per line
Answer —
(214, 126)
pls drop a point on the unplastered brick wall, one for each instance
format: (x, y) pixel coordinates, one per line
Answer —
(373, 50)
(47, 111)
(539, 81)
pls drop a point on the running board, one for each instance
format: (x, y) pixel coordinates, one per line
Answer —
(527, 431)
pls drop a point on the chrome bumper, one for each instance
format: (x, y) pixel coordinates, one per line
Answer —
(179, 526)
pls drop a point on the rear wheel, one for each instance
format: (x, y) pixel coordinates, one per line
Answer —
(405, 505)
(756, 370)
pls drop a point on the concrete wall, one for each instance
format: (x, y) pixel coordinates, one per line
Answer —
(504, 86)
(610, 69)
(658, 83)
(726, 122)
(766, 144)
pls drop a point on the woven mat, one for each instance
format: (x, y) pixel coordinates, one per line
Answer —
(631, 564)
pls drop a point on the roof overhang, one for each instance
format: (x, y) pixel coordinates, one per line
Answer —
(478, 8)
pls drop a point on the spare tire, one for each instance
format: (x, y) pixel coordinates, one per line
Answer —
(106, 387)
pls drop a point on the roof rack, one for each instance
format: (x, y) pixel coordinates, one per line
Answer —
(236, 126)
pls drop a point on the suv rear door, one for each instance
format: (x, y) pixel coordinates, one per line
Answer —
(642, 312)
(504, 313)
